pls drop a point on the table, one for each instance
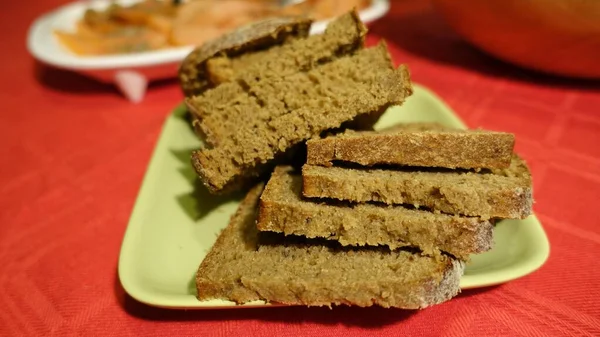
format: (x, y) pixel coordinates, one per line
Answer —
(74, 153)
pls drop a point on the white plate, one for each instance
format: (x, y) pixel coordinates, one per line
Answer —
(175, 221)
(127, 69)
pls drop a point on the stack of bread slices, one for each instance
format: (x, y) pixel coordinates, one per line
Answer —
(347, 215)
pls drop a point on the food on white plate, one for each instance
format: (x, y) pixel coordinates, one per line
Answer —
(157, 24)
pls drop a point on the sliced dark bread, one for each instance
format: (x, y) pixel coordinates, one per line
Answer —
(282, 209)
(245, 265)
(220, 112)
(274, 115)
(497, 193)
(243, 46)
(447, 148)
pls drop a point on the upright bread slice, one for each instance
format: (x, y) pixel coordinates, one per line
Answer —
(214, 110)
(243, 46)
(245, 265)
(449, 148)
(282, 209)
(497, 193)
(343, 36)
(274, 115)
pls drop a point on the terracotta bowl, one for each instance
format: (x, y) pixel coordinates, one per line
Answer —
(560, 37)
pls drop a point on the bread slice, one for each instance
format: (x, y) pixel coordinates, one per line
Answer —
(264, 121)
(448, 148)
(245, 265)
(283, 210)
(497, 193)
(214, 110)
(242, 46)
(343, 36)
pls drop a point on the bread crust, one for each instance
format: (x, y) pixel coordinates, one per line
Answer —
(468, 149)
(193, 75)
(498, 193)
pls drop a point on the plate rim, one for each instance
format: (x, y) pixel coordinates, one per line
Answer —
(534, 262)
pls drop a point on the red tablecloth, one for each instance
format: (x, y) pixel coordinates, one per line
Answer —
(74, 152)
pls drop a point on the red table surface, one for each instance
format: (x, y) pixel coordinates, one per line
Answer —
(74, 153)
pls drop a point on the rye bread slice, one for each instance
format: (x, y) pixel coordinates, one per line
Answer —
(283, 210)
(497, 193)
(277, 114)
(243, 44)
(447, 148)
(216, 118)
(245, 265)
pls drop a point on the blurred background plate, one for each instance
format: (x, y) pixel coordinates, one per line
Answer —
(126, 70)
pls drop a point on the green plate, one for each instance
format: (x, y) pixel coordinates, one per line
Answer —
(175, 221)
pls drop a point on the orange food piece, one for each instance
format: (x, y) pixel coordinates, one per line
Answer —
(160, 23)
(154, 14)
(127, 40)
(325, 9)
(200, 21)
